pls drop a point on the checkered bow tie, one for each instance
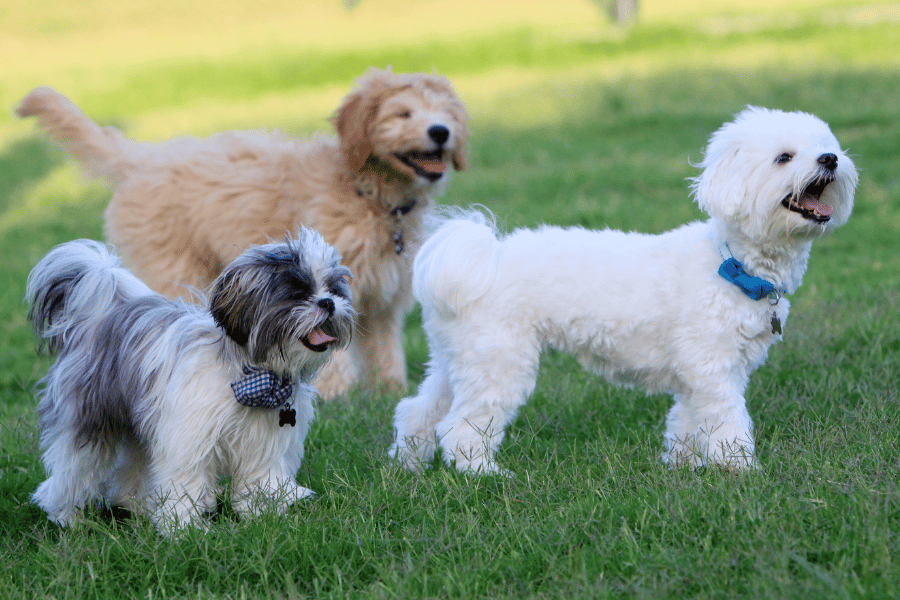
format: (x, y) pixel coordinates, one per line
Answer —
(262, 389)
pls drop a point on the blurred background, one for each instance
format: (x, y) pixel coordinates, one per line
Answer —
(576, 117)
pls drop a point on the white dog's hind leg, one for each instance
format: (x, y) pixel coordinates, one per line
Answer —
(415, 420)
(483, 405)
(702, 430)
(76, 476)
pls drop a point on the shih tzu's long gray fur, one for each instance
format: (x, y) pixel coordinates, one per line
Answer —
(139, 409)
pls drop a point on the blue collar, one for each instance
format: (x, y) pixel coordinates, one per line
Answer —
(754, 287)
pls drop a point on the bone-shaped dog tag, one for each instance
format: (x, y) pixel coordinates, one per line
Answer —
(776, 324)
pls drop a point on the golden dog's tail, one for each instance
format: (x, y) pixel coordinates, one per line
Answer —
(103, 150)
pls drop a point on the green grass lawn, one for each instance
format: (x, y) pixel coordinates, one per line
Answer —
(574, 122)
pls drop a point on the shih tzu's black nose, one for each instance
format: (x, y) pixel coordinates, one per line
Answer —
(327, 304)
(829, 161)
(439, 134)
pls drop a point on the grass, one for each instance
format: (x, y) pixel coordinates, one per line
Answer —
(574, 122)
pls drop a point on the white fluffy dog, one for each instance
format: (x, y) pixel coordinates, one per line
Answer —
(691, 312)
(151, 401)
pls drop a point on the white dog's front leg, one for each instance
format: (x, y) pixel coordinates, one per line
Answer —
(703, 430)
(180, 505)
(275, 490)
(415, 420)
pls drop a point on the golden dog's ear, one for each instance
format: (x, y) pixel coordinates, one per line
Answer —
(461, 154)
(351, 124)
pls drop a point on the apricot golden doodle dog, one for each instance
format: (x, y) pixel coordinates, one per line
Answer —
(183, 209)
(691, 312)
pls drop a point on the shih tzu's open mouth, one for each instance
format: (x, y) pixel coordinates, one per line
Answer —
(322, 336)
(808, 204)
(430, 165)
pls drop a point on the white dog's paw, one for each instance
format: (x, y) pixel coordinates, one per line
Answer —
(413, 454)
(689, 451)
(299, 493)
(480, 463)
(261, 498)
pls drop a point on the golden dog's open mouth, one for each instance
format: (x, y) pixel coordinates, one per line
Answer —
(430, 165)
(809, 204)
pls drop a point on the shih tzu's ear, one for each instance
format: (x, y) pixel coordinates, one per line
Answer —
(231, 306)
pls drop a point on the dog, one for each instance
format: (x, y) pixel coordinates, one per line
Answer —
(151, 402)
(184, 209)
(691, 312)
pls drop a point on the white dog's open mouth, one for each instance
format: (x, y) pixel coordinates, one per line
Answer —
(809, 204)
(430, 165)
(319, 339)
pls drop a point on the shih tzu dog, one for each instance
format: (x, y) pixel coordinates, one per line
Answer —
(691, 312)
(183, 209)
(151, 402)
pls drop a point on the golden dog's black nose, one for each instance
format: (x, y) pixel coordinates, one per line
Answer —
(439, 134)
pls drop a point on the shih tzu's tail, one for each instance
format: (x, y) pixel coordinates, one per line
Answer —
(457, 263)
(104, 151)
(73, 288)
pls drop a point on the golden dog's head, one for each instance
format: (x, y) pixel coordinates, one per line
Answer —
(411, 122)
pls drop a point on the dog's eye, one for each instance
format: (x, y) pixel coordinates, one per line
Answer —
(404, 114)
(784, 158)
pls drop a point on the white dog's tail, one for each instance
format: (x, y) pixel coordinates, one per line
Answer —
(72, 287)
(104, 151)
(457, 263)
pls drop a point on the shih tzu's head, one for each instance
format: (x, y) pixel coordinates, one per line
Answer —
(776, 174)
(286, 304)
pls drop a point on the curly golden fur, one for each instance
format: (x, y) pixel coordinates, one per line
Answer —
(183, 209)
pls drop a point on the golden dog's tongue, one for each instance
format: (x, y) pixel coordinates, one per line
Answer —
(430, 165)
(317, 337)
(814, 204)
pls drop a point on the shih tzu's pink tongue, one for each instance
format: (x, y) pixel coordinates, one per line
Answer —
(317, 337)
(813, 204)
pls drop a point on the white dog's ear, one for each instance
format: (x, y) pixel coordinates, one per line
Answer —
(717, 190)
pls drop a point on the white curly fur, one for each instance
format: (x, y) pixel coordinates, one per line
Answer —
(644, 310)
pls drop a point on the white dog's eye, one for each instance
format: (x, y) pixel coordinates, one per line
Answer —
(404, 114)
(784, 158)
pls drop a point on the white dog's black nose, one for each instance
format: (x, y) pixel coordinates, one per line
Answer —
(829, 161)
(327, 304)
(439, 134)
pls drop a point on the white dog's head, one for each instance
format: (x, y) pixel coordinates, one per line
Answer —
(775, 175)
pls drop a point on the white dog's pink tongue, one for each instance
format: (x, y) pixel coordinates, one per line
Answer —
(431, 165)
(812, 203)
(317, 337)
